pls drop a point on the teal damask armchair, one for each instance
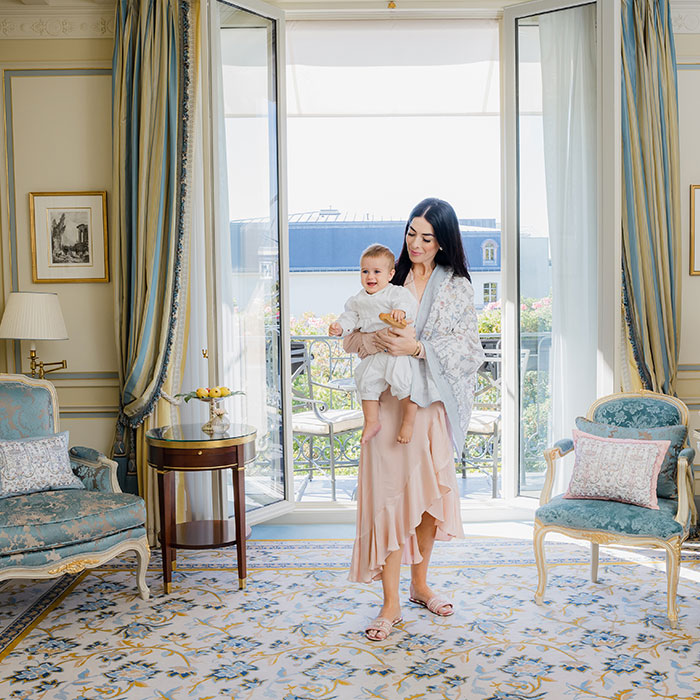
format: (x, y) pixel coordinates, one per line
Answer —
(44, 534)
(643, 415)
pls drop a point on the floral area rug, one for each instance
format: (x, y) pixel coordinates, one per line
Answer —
(296, 631)
(24, 602)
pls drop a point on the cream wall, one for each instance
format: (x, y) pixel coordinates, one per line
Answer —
(56, 137)
(60, 141)
(688, 57)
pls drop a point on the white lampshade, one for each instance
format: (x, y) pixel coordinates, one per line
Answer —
(33, 316)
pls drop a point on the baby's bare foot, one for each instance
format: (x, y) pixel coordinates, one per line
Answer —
(405, 434)
(369, 431)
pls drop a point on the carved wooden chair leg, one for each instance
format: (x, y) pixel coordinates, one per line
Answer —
(673, 565)
(595, 552)
(538, 544)
(143, 554)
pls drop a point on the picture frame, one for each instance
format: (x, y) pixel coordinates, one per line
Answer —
(69, 236)
(694, 229)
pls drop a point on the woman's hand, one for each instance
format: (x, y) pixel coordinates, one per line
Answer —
(397, 341)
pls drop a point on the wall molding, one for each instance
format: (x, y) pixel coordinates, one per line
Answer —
(56, 23)
(685, 16)
(97, 21)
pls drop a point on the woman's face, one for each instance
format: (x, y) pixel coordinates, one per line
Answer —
(421, 242)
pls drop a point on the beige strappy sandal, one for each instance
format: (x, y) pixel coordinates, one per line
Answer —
(434, 605)
(383, 625)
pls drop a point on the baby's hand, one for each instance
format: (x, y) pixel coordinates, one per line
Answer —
(398, 314)
(335, 329)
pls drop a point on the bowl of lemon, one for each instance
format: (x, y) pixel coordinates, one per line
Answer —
(218, 422)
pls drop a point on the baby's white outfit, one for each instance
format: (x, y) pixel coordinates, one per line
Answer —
(376, 372)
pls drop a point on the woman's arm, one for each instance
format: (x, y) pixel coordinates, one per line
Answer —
(454, 335)
(361, 343)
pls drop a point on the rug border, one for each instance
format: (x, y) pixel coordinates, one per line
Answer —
(10, 637)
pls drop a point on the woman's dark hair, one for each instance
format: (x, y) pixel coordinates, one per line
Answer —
(441, 216)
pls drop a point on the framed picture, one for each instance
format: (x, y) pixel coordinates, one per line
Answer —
(694, 229)
(69, 236)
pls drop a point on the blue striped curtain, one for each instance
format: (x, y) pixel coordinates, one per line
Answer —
(651, 233)
(149, 133)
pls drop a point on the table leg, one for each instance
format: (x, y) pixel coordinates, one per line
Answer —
(238, 478)
(166, 501)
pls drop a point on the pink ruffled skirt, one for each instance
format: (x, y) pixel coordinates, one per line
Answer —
(398, 483)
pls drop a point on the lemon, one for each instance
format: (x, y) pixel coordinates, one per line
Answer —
(225, 391)
(215, 392)
(202, 393)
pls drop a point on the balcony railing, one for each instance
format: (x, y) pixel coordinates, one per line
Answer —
(326, 380)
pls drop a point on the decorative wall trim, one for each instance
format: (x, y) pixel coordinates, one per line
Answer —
(49, 22)
(7, 78)
(89, 412)
(689, 368)
(685, 16)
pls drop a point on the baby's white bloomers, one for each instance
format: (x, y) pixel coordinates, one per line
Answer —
(380, 370)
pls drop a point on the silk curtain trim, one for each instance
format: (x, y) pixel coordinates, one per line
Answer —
(651, 235)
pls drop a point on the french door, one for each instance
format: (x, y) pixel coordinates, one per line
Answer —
(249, 237)
(560, 189)
(561, 193)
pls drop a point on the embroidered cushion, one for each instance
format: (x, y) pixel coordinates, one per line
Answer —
(36, 464)
(613, 469)
(666, 486)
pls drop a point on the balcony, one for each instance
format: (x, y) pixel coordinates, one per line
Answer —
(322, 382)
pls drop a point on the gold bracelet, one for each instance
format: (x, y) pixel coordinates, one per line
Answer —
(416, 352)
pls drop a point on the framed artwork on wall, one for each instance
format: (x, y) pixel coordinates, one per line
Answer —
(69, 236)
(694, 229)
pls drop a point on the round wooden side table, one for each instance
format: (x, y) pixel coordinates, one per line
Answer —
(186, 448)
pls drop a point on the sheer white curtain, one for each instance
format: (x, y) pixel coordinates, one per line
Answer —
(198, 487)
(568, 60)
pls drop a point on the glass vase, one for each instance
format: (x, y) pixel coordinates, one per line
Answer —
(218, 422)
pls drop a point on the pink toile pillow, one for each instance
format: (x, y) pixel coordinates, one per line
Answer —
(614, 469)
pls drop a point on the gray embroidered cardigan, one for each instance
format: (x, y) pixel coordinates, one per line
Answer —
(448, 329)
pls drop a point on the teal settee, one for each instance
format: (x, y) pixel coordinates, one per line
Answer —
(643, 415)
(49, 533)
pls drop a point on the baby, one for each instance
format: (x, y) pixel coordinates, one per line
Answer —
(377, 372)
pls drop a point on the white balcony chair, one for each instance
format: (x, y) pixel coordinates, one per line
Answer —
(321, 427)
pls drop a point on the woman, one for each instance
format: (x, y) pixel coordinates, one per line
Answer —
(407, 493)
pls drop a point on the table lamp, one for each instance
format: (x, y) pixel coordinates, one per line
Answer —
(34, 316)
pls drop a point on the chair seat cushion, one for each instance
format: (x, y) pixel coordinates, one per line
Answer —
(611, 516)
(56, 555)
(37, 521)
(342, 419)
(483, 422)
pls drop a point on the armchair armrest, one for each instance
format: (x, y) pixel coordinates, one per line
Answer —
(551, 455)
(94, 469)
(684, 480)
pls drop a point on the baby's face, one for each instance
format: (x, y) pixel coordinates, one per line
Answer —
(375, 273)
